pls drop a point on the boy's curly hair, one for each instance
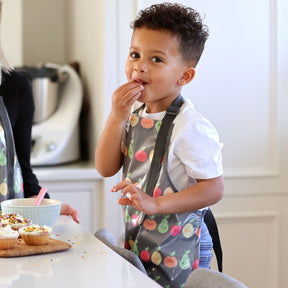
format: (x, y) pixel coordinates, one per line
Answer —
(183, 22)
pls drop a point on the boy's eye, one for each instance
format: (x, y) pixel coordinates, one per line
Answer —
(156, 59)
(134, 55)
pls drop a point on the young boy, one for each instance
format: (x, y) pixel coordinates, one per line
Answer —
(166, 45)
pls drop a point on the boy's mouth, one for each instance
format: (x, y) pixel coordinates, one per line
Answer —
(141, 81)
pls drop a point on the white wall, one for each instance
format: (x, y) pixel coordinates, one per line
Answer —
(86, 44)
(44, 31)
(11, 31)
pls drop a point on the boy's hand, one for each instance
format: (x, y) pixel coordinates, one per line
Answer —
(135, 197)
(123, 98)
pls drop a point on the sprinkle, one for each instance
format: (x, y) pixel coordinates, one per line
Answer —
(36, 228)
(14, 219)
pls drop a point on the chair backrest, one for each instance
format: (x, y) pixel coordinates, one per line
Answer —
(208, 278)
(108, 239)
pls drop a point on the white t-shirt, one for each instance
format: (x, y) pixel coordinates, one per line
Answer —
(194, 149)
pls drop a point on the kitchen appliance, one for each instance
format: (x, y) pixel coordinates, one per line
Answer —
(58, 93)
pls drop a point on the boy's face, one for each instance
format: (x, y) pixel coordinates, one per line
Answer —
(154, 60)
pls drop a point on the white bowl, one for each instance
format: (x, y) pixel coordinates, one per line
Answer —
(46, 213)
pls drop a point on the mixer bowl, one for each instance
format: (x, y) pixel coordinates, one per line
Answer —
(46, 213)
(45, 84)
(45, 95)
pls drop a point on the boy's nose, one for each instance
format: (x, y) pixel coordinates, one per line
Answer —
(140, 66)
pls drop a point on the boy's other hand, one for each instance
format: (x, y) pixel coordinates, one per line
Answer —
(132, 195)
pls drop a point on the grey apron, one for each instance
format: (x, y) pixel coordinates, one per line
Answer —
(168, 245)
(11, 182)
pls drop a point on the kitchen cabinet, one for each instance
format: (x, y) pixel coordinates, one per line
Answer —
(78, 185)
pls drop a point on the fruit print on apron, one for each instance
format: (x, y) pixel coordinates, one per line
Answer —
(11, 182)
(168, 245)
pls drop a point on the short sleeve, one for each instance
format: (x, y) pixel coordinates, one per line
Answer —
(195, 150)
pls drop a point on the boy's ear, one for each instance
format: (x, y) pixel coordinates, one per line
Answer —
(187, 76)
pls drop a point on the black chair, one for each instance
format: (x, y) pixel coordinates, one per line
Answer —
(213, 230)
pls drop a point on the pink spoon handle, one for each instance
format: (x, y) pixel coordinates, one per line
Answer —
(40, 196)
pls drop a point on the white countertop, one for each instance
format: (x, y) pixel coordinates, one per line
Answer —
(77, 170)
(88, 263)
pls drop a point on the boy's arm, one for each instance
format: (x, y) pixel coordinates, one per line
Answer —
(108, 159)
(108, 156)
(200, 195)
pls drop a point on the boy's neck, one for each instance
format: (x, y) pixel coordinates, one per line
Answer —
(160, 106)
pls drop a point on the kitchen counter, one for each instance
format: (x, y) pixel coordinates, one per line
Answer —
(78, 170)
(88, 263)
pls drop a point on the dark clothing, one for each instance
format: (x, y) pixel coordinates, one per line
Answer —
(17, 94)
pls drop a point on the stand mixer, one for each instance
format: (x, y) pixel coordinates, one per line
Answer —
(56, 140)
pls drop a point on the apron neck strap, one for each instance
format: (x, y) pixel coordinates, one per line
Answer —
(161, 142)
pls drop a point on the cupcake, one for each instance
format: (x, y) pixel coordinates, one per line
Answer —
(15, 220)
(8, 237)
(1, 216)
(35, 234)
